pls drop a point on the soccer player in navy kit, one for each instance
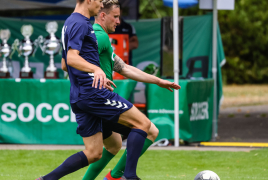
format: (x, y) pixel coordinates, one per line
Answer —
(92, 103)
(89, 99)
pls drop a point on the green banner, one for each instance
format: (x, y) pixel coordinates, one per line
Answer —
(195, 110)
(149, 35)
(38, 112)
(197, 46)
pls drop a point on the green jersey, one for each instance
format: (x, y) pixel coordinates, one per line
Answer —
(106, 53)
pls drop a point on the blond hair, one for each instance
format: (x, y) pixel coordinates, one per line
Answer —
(108, 4)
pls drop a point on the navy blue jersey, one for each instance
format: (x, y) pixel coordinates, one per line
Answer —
(78, 34)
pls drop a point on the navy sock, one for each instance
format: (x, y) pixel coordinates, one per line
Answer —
(71, 164)
(135, 142)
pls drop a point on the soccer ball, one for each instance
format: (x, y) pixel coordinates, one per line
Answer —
(206, 175)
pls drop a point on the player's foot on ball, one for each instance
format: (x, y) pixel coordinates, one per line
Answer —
(109, 177)
(124, 178)
(40, 178)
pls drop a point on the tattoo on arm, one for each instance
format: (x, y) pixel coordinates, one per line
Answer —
(119, 64)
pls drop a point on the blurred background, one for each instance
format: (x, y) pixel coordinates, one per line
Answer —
(242, 76)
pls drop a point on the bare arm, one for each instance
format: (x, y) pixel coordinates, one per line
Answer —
(138, 75)
(133, 42)
(133, 73)
(76, 61)
(107, 86)
(63, 65)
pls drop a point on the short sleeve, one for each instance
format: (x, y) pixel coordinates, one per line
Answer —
(103, 42)
(114, 55)
(63, 54)
(111, 52)
(77, 35)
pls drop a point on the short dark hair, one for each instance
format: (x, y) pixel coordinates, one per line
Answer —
(80, 1)
(108, 4)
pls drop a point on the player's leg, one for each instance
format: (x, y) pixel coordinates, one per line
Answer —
(135, 119)
(118, 171)
(153, 132)
(112, 144)
(79, 160)
(89, 127)
(140, 126)
(113, 147)
(93, 146)
(134, 116)
(111, 107)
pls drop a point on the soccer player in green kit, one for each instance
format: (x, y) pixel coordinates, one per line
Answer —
(106, 22)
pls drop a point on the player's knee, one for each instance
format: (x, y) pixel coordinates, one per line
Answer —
(153, 133)
(115, 148)
(147, 124)
(144, 124)
(93, 155)
(156, 132)
(96, 156)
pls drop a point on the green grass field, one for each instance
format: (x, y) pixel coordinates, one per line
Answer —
(154, 165)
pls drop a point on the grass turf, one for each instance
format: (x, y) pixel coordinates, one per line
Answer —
(154, 165)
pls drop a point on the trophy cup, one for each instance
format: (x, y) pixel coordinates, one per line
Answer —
(26, 49)
(5, 51)
(51, 46)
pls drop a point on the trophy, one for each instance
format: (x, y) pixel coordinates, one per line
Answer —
(5, 51)
(26, 49)
(50, 46)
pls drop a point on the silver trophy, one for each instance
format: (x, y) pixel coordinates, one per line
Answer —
(5, 50)
(50, 46)
(26, 49)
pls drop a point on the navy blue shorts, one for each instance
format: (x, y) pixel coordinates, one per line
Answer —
(103, 105)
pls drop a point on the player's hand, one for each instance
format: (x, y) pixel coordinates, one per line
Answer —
(168, 85)
(99, 75)
(109, 85)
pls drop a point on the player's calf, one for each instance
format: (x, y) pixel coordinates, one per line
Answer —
(140, 126)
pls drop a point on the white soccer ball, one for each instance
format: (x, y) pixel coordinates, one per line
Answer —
(206, 175)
